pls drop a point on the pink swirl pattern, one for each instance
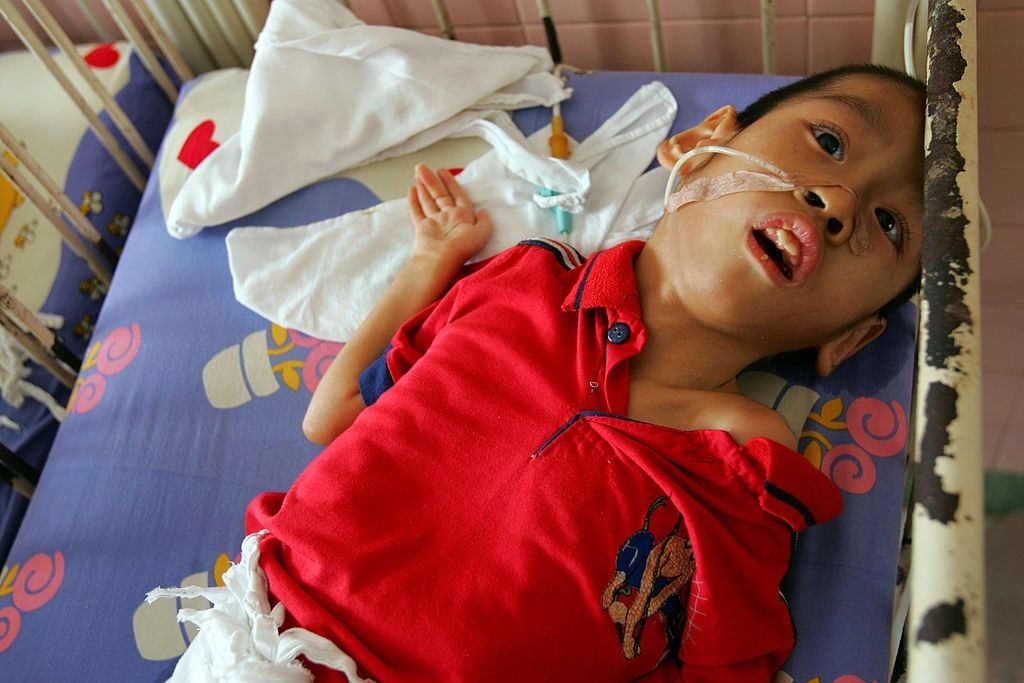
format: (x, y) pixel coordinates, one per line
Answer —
(119, 349)
(38, 581)
(10, 626)
(878, 428)
(850, 468)
(317, 362)
(303, 341)
(88, 393)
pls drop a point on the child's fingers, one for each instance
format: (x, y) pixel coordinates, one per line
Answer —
(439, 192)
(415, 210)
(426, 201)
(454, 188)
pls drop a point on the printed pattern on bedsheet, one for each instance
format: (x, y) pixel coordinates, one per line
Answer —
(257, 366)
(34, 262)
(857, 432)
(147, 487)
(45, 120)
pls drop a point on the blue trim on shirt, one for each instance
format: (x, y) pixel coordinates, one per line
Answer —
(376, 379)
(582, 285)
(560, 250)
(791, 500)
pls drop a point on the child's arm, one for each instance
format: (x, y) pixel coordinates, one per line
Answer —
(448, 232)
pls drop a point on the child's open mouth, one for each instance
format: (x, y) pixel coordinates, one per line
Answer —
(788, 247)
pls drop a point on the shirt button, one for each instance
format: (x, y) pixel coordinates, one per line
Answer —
(618, 333)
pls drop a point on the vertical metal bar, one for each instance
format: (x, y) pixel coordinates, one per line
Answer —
(71, 238)
(947, 614)
(226, 17)
(171, 18)
(114, 110)
(443, 21)
(33, 43)
(164, 42)
(768, 36)
(90, 14)
(886, 45)
(19, 474)
(254, 15)
(544, 10)
(35, 349)
(84, 227)
(657, 41)
(148, 57)
(202, 20)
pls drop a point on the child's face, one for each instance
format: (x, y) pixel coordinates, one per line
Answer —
(852, 230)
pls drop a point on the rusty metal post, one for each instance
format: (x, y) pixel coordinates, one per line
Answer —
(946, 629)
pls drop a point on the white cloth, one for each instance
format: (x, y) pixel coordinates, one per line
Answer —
(323, 278)
(239, 637)
(14, 372)
(327, 93)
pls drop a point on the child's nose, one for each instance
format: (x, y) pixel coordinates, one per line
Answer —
(837, 205)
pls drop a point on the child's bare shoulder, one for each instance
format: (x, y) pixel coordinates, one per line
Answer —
(745, 419)
(691, 409)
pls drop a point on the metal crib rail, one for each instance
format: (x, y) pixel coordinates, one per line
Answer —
(946, 627)
(226, 29)
(35, 44)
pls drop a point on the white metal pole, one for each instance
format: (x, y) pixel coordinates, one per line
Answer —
(947, 612)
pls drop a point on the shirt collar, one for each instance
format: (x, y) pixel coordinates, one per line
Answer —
(607, 280)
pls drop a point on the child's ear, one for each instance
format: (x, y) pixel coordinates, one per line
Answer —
(842, 346)
(717, 128)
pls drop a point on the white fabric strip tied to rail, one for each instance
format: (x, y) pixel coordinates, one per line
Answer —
(327, 93)
(14, 373)
(239, 637)
(323, 278)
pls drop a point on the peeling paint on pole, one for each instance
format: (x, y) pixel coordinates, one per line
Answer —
(945, 252)
(947, 621)
(940, 407)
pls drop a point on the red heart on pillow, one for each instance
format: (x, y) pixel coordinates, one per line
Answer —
(198, 145)
(102, 56)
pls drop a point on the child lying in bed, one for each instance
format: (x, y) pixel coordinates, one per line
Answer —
(548, 472)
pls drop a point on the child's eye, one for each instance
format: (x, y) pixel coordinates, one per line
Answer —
(891, 225)
(829, 141)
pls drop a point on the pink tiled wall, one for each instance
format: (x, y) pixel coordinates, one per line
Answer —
(1001, 140)
(700, 35)
(724, 35)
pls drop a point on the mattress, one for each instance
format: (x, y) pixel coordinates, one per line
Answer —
(35, 264)
(189, 404)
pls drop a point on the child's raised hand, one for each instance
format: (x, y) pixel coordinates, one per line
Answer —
(443, 216)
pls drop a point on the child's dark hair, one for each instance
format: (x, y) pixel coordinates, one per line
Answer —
(823, 81)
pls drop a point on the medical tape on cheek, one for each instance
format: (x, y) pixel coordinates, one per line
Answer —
(729, 183)
(774, 180)
(708, 189)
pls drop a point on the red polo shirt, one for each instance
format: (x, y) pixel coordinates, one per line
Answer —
(493, 517)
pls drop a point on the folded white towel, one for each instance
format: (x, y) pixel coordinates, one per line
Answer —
(328, 93)
(323, 278)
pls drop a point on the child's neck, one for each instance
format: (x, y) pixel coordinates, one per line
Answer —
(681, 351)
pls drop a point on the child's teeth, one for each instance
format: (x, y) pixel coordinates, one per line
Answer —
(787, 242)
(784, 240)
